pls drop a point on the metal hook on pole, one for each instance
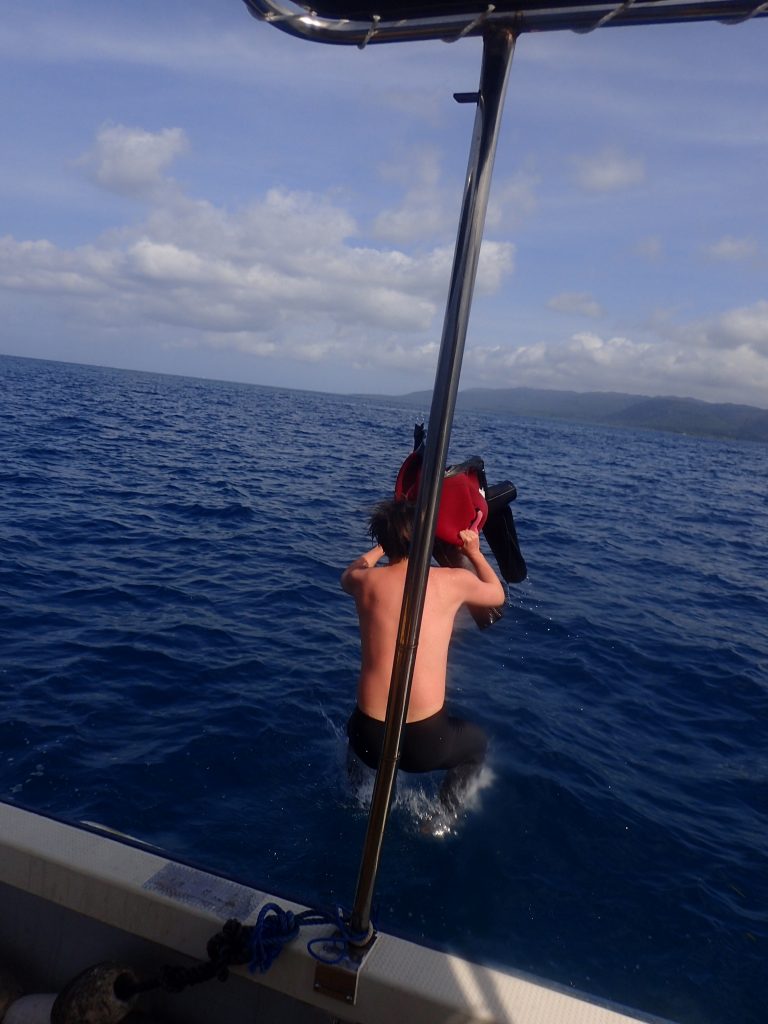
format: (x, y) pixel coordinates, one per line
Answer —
(472, 25)
(374, 28)
(619, 9)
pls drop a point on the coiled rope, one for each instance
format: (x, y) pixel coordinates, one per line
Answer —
(275, 928)
(257, 945)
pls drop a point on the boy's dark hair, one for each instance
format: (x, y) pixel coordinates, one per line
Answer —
(391, 525)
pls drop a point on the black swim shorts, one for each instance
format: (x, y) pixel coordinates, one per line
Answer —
(432, 744)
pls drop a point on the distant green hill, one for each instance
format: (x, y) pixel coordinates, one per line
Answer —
(677, 415)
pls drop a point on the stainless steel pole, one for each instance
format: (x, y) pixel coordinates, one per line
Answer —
(498, 47)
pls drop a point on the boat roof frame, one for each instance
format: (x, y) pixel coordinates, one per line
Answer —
(361, 22)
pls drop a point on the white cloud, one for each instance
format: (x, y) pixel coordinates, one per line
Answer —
(424, 211)
(746, 326)
(722, 359)
(497, 260)
(430, 209)
(575, 302)
(609, 170)
(732, 249)
(511, 201)
(131, 161)
(38, 266)
(570, 364)
(394, 355)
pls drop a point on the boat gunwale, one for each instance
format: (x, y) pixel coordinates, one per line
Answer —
(107, 878)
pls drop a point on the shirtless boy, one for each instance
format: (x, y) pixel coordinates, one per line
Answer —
(432, 739)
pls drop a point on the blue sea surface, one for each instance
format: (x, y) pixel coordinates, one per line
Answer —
(178, 661)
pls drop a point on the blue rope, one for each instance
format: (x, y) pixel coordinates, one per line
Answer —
(275, 928)
(270, 934)
(341, 941)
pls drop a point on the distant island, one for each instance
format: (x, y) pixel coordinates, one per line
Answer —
(676, 415)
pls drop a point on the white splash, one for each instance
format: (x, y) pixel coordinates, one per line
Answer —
(417, 799)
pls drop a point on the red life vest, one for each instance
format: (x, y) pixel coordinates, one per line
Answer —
(462, 502)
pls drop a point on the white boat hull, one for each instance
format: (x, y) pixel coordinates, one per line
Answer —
(71, 897)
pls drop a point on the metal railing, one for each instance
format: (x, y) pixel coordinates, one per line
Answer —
(387, 22)
(497, 56)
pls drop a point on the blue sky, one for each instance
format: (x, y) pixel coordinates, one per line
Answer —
(187, 190)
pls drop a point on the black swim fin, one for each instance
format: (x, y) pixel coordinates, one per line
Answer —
(500, 532)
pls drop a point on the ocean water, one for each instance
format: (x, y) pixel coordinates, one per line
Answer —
(177, 662)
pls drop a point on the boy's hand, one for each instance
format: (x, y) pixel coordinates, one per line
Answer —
(491, 593)
(470, 542)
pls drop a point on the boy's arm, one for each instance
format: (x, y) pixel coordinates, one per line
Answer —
(485, 588)
(366, 561)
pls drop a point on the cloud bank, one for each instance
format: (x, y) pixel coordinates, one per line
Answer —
(292, 275)
(284, 274)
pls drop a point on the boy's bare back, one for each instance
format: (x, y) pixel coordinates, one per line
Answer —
(378, 593)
